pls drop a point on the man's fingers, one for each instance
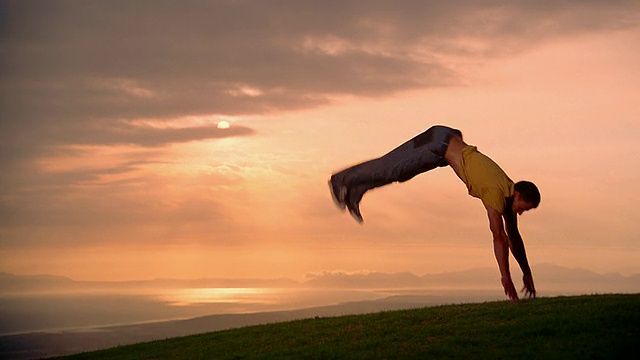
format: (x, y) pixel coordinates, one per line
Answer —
(509, 289)
(528, 291)
(528, 285)
(512, 293)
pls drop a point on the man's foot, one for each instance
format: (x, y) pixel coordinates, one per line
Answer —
(355, 212)
(338, 193)
(353, 205)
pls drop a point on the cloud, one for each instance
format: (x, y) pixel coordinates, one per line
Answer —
(124, 134)
(69, 63)
(110, 204)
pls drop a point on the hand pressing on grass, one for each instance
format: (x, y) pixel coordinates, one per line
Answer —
(509, 288)
(528, 289)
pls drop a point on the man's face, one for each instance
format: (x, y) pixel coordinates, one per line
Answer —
(519, 205)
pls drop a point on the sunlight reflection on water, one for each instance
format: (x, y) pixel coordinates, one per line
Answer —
(185, 297)
(264, 296)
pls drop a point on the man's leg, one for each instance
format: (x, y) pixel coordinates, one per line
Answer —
(420, 154)
(397, 167)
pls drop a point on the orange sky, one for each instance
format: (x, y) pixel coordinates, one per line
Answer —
(113, 167)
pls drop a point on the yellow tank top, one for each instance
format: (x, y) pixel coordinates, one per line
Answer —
(485, 180)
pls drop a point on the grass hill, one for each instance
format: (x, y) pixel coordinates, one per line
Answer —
(581, 327)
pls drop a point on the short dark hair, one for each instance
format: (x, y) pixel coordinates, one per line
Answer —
(528, 191)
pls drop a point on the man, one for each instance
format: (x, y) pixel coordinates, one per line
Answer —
(440, 146)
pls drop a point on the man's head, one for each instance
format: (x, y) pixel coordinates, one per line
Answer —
(526, 197)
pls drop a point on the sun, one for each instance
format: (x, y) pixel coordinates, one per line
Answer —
(223, 125)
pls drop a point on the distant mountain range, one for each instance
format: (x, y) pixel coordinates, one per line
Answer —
(547, 276)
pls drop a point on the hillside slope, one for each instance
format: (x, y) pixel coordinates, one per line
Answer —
(597, 326)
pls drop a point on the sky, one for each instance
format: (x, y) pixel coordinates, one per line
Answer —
(113, 166)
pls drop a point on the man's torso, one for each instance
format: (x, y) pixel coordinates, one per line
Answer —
(482, 176)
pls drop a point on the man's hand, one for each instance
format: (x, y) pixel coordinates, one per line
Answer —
(509, 289)
(517, 249)
(528, 289)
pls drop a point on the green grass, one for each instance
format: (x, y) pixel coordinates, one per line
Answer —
(583, 327)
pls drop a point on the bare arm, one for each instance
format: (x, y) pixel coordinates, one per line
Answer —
(501, 250)
(519, 253)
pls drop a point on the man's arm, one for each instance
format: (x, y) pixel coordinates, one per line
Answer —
(517, 249)
(501, 250)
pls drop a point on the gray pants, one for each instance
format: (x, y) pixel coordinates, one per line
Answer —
(420, 154)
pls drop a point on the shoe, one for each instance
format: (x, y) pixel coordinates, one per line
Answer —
(355, 212)
(354, 208)
(338, 194)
